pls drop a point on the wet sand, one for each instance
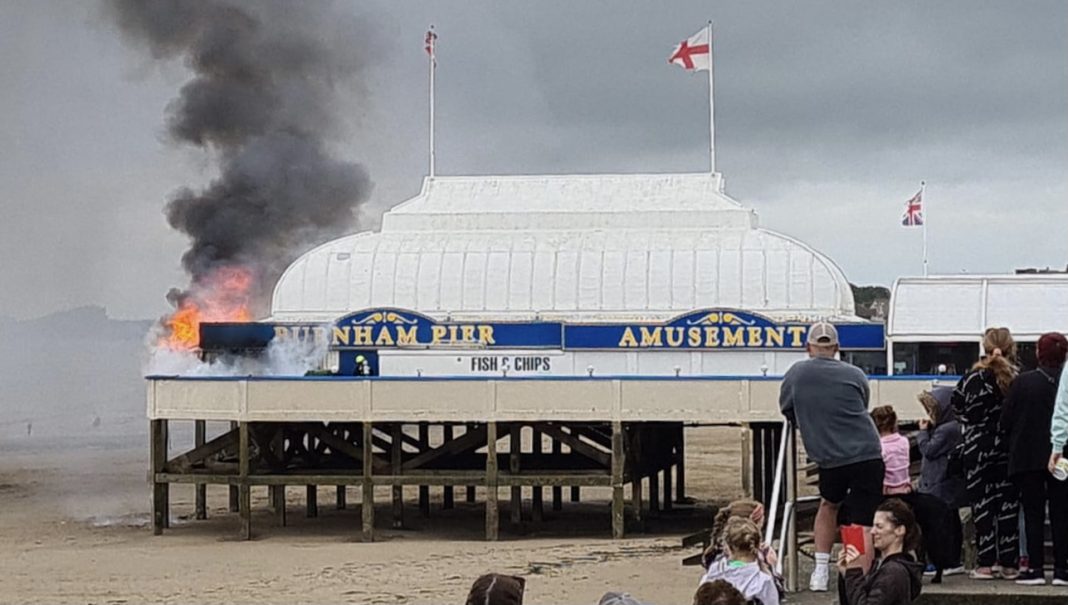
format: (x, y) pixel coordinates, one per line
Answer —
(75, 525)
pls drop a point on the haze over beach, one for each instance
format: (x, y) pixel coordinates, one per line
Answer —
(136, 174)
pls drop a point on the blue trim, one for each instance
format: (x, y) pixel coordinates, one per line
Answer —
(940, 378)
(698, 330)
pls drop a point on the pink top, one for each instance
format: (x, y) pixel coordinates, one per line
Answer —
(896, 459)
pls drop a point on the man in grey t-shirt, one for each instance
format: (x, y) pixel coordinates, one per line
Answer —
(828, 401)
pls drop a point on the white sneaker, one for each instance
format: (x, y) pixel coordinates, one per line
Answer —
(954, 571)
(820, 579)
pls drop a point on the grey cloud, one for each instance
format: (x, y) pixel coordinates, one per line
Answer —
(825, 111)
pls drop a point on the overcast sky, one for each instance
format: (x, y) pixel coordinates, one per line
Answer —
(828, 117)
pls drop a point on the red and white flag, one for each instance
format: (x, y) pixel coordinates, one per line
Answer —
(694, 54)
(913, 216)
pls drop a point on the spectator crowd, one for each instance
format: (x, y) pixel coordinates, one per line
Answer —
(993, 458)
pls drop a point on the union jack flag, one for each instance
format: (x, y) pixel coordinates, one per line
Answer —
(913, 216)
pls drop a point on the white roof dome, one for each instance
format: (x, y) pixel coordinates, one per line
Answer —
(579, 248)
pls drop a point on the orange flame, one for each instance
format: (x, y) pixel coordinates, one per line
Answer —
(221, 296)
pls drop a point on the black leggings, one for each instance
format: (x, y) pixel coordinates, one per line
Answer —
(1037, 488)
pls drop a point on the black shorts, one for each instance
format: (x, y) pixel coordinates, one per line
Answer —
(859, 486)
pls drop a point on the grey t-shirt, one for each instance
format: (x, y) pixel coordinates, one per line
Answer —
(828, 401)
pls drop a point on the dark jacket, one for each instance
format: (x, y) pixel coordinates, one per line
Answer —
(895, 580)
(1026, 416)
(935, 444)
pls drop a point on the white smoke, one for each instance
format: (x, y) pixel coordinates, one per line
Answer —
(283, 357)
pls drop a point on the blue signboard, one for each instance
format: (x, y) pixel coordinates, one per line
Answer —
(389, 328)
(712, 329)
(709, 329)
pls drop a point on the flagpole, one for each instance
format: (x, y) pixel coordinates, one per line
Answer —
(923, 200)
(711, 106)
(433, 65)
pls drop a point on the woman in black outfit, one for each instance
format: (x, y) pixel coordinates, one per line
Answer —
(977, 402)
(1026, 419)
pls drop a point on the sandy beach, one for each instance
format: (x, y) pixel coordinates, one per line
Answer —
(75, 526)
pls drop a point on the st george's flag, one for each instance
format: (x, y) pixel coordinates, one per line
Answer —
(694, 53)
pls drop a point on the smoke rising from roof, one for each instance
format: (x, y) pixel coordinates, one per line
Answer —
(263, 101)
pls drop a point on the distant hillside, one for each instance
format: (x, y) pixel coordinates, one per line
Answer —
(871, 302)
(62, 371)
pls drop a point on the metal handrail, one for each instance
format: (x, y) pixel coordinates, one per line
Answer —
(786, 536)
(773, 510)
(787, 513)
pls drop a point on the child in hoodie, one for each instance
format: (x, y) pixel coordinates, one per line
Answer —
(740, 566)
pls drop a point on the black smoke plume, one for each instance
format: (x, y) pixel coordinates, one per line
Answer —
(263, 101)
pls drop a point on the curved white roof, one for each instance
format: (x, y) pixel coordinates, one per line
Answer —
(962, 307)
(599, 247)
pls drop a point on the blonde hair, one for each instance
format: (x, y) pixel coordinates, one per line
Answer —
(1000, 358)
(741, 536)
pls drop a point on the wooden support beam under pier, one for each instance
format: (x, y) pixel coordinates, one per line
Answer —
(492, 521)
(367, 504)
(201, 495)
(244, 489)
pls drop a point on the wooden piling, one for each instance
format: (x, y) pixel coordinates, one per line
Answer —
(244, 489)
(166, 446)
(558, 490)
(447, 493)
(617, 480)
(235, 504)
(397, 435)
(367, 503)
(514, 443)
(341, 497)
(636, 477)
(312, 509)
(158, 454)
(747, 460)
(667, 504)
(470, 488)
(680, 464)
(201, 490)
(537, 512)
(492, 522)
(654, 493)
(280, 505)
(424, 490)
